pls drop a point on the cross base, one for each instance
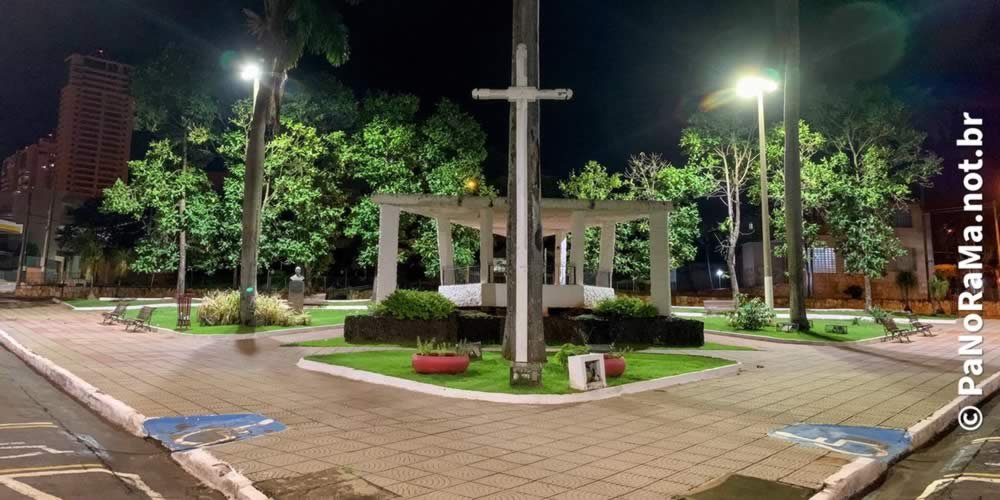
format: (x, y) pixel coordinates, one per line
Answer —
(526, 374)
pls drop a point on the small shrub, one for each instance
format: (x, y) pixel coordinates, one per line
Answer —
(433, 348)
(568, 350)
(879, 314)
(269, 310)
(855, 292)
(625, 307)
(750, 314)
(413, 304)
(618, 352)
(223, 308)
(219, 307)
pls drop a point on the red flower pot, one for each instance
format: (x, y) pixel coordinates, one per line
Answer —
(614, 367)
(440, 364)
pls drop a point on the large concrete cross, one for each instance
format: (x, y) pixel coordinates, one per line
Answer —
(521, 94)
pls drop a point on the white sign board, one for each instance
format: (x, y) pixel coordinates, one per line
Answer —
(586, 372)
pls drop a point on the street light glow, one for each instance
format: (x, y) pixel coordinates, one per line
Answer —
(250, 71)
(750, 86)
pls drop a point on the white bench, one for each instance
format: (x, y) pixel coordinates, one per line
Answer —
(719, 306)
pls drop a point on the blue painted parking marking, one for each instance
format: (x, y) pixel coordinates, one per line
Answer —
(185, 433)
(872, 442)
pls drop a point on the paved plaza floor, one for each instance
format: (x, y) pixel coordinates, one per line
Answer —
(349, 439)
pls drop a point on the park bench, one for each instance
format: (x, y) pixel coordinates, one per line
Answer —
(141, 320)
(116, 315)
(919, 326)
(893, 331)
(719, 306)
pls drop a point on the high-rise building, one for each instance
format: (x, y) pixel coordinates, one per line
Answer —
(30, 167)
(95, 126)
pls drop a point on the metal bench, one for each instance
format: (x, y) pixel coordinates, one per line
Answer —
(919, 326)
(116, 315)
(141, 320)
(893, 331)
(719, 306)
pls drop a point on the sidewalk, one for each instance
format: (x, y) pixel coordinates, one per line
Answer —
(349, 436)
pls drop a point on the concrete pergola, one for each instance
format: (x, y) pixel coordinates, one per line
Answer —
(560, 218)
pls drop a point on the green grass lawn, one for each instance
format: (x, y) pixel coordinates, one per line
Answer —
(842, 312)
(113, 303)
(864, 330)
(167, 318)
(493, 372)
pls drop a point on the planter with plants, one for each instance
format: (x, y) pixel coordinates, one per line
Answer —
(439, 358)
(630, 320)
(614, 362)
(402, 316)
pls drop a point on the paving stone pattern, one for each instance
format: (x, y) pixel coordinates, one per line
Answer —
(381, 442)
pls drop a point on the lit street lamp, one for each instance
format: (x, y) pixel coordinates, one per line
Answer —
(751, 86)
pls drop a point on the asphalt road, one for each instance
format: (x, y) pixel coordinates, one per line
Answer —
(961, 466)
(51, 447)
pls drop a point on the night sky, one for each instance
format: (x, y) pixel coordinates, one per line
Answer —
(638, 68)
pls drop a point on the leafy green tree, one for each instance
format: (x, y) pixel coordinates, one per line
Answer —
(815, 175)
(101, 240)
(395, 152)
(302, 196)
(877, 158)
(174, 105)
(595, 183)
(722, 145)
(285, 30)
(648, 177)
(158, 187)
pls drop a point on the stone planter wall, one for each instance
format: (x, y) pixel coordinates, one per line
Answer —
(661, 331)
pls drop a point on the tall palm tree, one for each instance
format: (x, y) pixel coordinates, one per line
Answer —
(284, 32)
(788, 10)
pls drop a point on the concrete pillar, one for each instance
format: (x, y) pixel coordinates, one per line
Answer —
(577, 254)
(606, 266)
(559, 269)
(485, 245)
(446, 252)
(388, 251)
(659, 261)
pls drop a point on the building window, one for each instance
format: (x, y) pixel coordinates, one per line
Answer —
(824, 260)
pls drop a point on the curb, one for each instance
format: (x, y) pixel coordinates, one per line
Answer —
(857, 476)
(200, 463)
(528, 399)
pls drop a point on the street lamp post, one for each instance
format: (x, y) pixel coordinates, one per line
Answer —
(750, 87)
(24, 239)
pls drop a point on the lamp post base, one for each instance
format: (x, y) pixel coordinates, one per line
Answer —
(526, 374)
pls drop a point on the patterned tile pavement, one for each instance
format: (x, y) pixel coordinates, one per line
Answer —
(380, 441)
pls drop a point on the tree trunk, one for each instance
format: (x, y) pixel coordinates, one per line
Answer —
(789, 10)
(525, 30)
(252, 191)
(182, 236)
(734, 283)
(868, 293)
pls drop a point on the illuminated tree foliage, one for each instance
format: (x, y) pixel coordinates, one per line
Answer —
(394, 151)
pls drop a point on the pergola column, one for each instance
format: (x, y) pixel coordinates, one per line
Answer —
(576, 252)
(607, 262)
(388, 251)
(485, 245)
(559, 270)
(446, 252)
(659, 261)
